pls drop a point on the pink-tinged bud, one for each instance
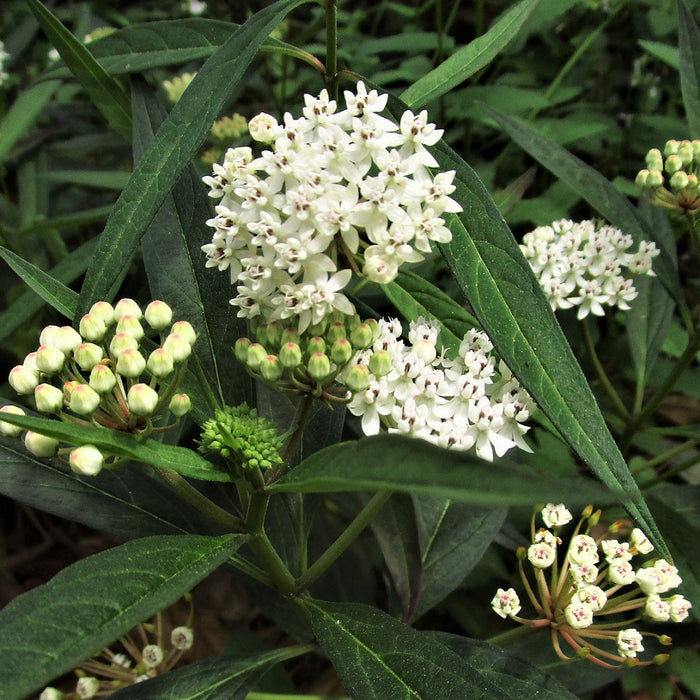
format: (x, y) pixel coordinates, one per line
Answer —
(105, 311)
(357, 379)
(67, 339)
(341, 351)
(48, 398)
(240, 349)
(49, 359)
(289, 335)
(30, 361)
(86, 460)
(271, 369)
(184, 329)
(84, 400)
(256, 356)
(68, 390)
(127, 307)
(336, 331)
(273, 334)
(23, 379)
(87, 355)
(316, 344)
(290, 355)
(180, 404)
(121, 342)
(92, 327)
(48, 335)
(361, 336)
(130, 363)
(40, 445)
(142, 400)
(7, 429)
(160, 364)
(158, 315)
(178, 347)
(102, 379)
(380, 363)
(319, 367)
(131, 326)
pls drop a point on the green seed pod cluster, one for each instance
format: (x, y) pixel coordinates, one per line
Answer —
(671, 178)
(308, 363)
(243, 437)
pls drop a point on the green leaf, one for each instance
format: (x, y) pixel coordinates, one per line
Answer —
(377, 656)
(596, 190)
(21, 115)
(664, 52)
(225, 677)
(370, 464)
(689, 48)
(469, 59)
(414, 296)
(45, 285)
(49, 630)
(105, 92)
(175, 143)
(179, 459)
(103, 179)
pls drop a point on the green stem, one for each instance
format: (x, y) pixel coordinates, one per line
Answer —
(664, 456)
(250, 569)
(344, 540)
(332, 48)
(190, 494)
(300, 419)
(511, 636)
(602, 376)
(203, 383)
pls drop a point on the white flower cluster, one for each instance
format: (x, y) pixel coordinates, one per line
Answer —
(465, 403)
(581, 264)
(334, 184)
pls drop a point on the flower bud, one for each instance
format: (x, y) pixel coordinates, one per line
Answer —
(654, 159)
(655, 179)
(48, 335)
(152, 655)
(87, 355)
(86, 460)
(263, 128)
(240, 349)
(127, 307)
(671, 147)
(130, 364)
(104, 310)
(660, 659)
(315, 344)
(380, 363)
(341, 351)
(642, 178)
(49, 359)
(48, 398)
(377, 269)
(142, 400)
(121, 342)
(273, 335)
(255, 356)
(50, 693)
(271, 368)
(319, 367)
(7, 429)
(185, 330)
(289, 335)
(673, 164)
(335, 332)
(131, 326)
(357, 379)
(102, 379)
(158, 315)
(87, 687)
(678, 181)
(685, 152)
(40, 445)
(92, 327)
(160, 364)
(425, 350)
(180, 404)
(361, 336)
(67, 339)
(178, 347)
(290, 355)
(182, 638)
(23, 379)
(30, 361)
(84, 400)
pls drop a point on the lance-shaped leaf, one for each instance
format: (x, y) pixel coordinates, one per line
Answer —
(51, 629)
(689, 50)
(377, 656)
(105, 92)
(174, 145)
(470, 59)
(400, 463)
(138, 449)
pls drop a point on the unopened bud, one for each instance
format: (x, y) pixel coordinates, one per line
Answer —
(48, 335)
(290, 355)
(273, 334)
(319, 367)
(671, 147)
(92, 327)
(341, 351)
(86, 460)
(87, 687)
(23, 379)
(240, 349)
(104, 310)
(121, 342)
(131, 326)
(660, 659)
(158, 315)
(40, 445)
(127, 307)
(102, 379)
(160, 364)
(178, 347)
(586, 512)
(49, 359)
(271, 368)
(685, 152)
(68, 389)
(425, 350)
(50, 693)
(142, 400)
(48, 398)
(130, 363)
(583, 652)
(654, 159)
(263, 128)
(665, 640)
(67, 339)
(655, 179)
(678, 181)
(318, 328)
(642, 178)
(184, 329)
(180, 404)
(182, 638)
(84, 400)
(673, 164)
(361, 336)
(30, 361)
(335, 331)
(521, 553)
(289, 335)
(87, 355)
(7, 429)
(595, 518)
(380, 363)
(358, 378)
(315, 344)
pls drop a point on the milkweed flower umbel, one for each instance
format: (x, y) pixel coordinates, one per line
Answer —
(588, 592)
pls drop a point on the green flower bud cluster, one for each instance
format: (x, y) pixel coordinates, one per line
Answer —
(240, 435)
(308, 363)
(224, 131)
(671, 178)
(104, 375)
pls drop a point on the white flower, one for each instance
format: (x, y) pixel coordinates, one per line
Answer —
(621, 573)
(583, 550)
(583, 573)
(578, 615)
(541, 555)
(506, 602)
(593, 596)
(679, 607)
(640, 542)
(615, 551)
(657, 609)
(629, 643)
(555, 515)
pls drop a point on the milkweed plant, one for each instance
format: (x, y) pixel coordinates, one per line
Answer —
(431, 406)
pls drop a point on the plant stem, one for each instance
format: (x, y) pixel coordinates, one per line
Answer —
(190, 494)
(511, 636)
(664, 456)
(344, 540)
(332, 48)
